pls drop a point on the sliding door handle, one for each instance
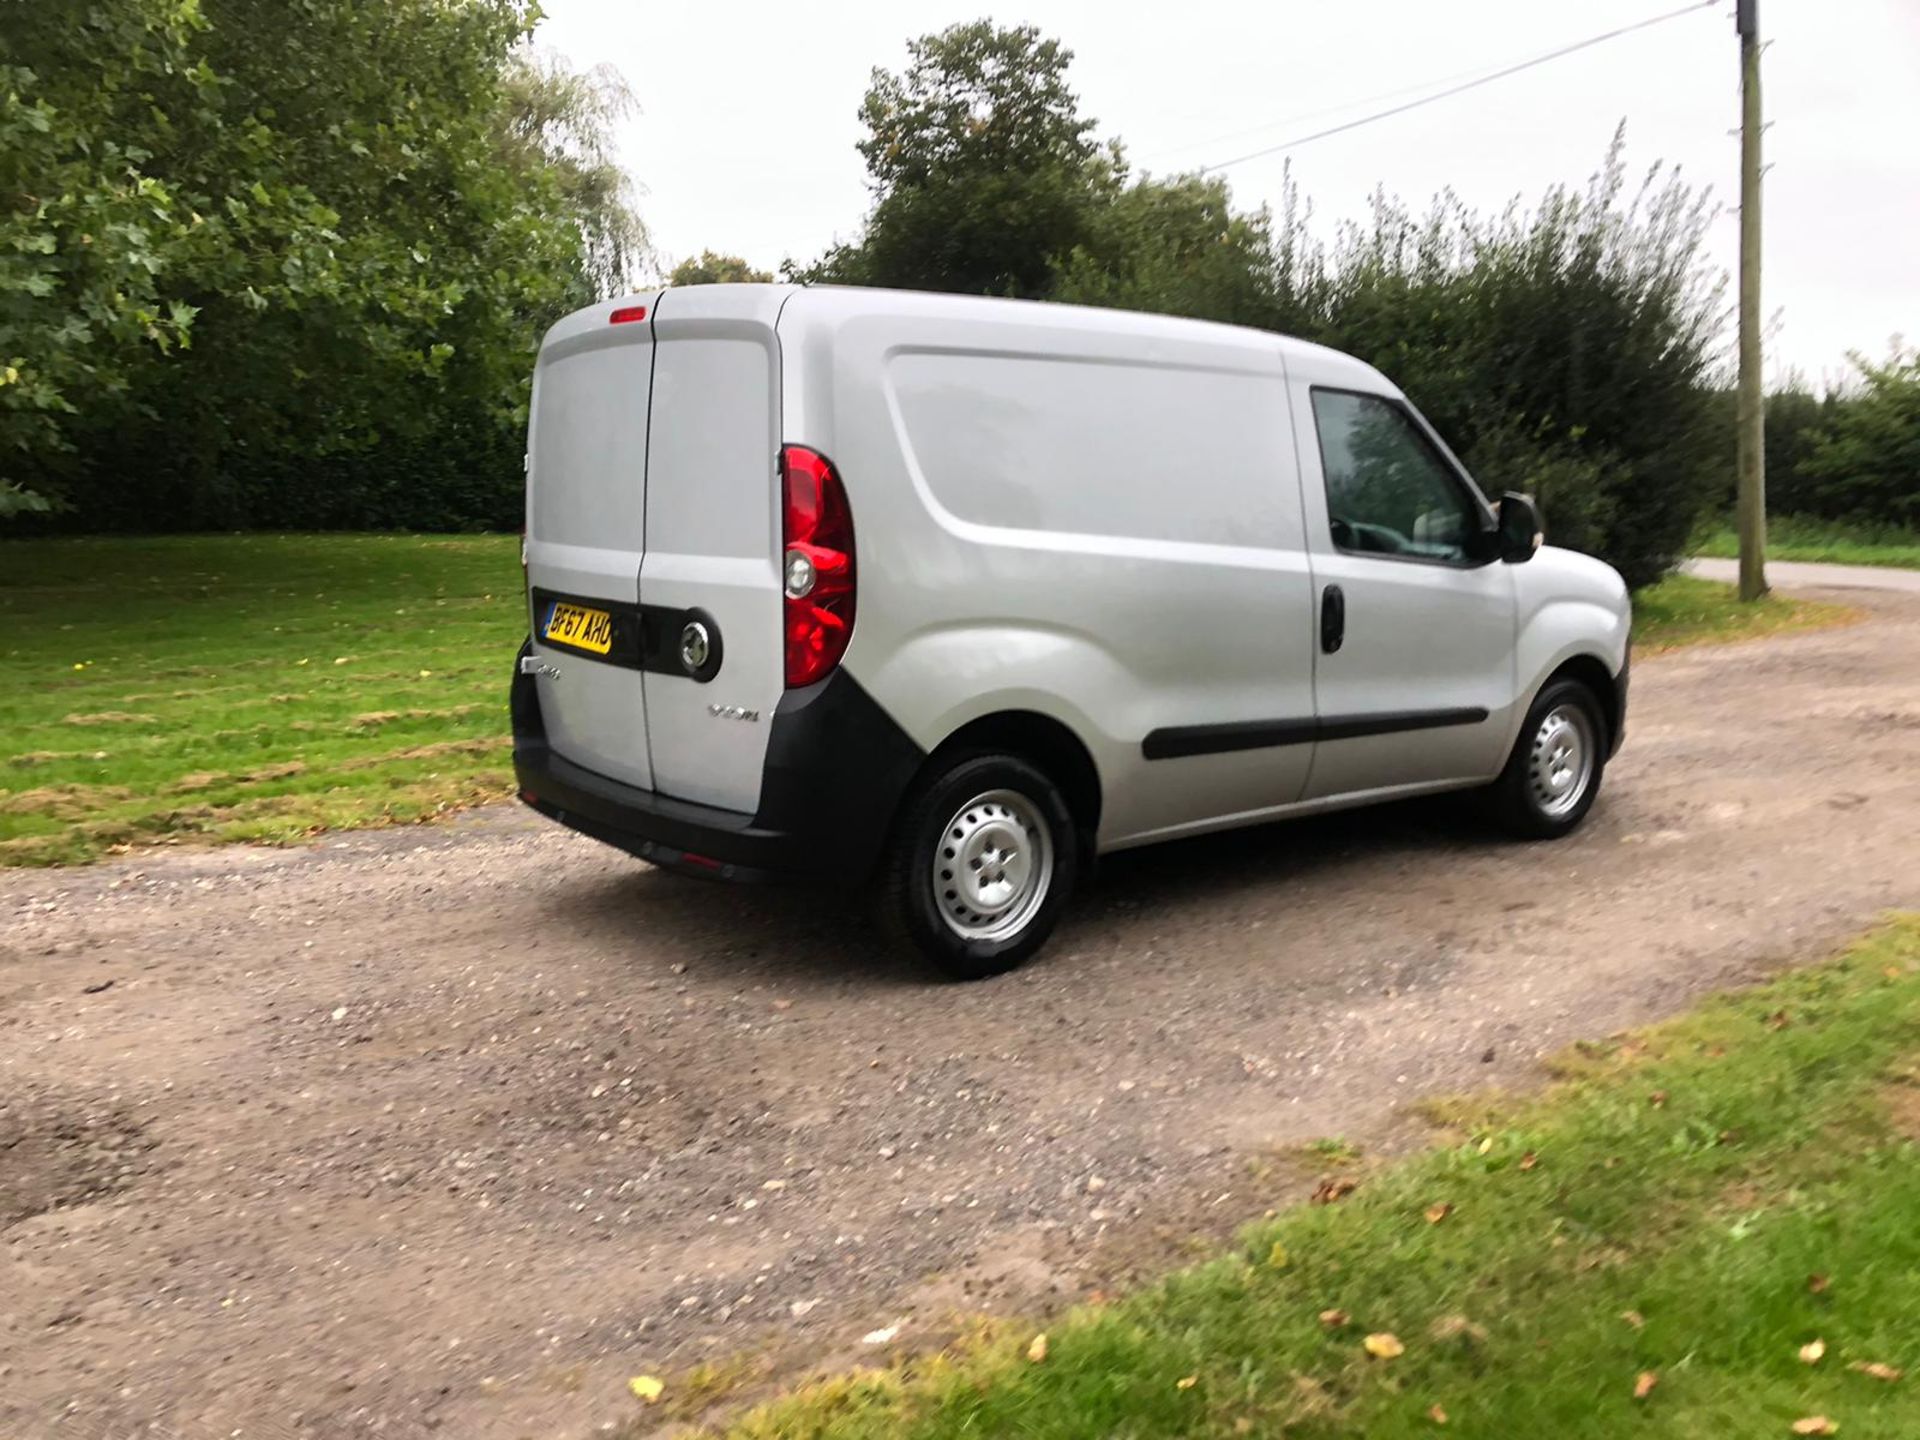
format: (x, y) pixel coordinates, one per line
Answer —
(1333, 618)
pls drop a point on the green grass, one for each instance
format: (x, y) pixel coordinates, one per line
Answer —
(1686, 610)
(202, 688)
(195, 689)
(1791, 538)
(1696, 1202)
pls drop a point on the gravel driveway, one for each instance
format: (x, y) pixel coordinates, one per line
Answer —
(453, 1130)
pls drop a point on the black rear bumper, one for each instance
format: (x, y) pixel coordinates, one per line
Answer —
(673, 833)
(836, 768)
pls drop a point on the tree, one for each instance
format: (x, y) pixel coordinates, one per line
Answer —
(289, 263)
(87, 229)
(1176, 246)
(1866, 465)
(707, 268)
(558, 126)
(982, 171)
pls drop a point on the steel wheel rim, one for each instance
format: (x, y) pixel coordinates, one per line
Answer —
(1560, 763)
(992, 866)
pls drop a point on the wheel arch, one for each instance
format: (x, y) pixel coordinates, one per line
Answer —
(1591, 671)
(1046, 742)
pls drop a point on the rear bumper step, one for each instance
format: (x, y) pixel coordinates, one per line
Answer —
(836, 769)
(676, 834)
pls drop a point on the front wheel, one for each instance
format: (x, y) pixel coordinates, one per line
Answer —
(981, 865)
(1554, 773)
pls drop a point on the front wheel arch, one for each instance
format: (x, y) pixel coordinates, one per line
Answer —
(1593, 673)
(1511, 802)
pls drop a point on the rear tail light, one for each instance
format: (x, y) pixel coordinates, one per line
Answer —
(816, 566)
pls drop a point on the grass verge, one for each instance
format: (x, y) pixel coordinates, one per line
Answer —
(1705, 1228)
(1791, 538)
(256, 687)
(193, 689)
(1685, 610)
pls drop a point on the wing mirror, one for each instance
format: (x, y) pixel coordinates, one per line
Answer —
(1517, 527)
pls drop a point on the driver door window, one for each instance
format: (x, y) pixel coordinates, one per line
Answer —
(1388, 493)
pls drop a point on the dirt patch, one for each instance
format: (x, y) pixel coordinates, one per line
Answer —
(1903, 1109)
(58, 1151)
(375, 719)
(482, 746)
(63, 802)
(110, 717)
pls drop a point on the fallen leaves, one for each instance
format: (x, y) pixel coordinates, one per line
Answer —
(1037, 1351)
(1383, 1345)
(648, 1387)
(1634, 1318)
(1332, 1188)
(1643, 1384)
(1439, 1212)
(1277, 1256)
(1334, 1319)
(883, 1336)
(1529, 1160)
(1657, 1099)
(1812, 1352)
(1815, 1425)
(1437, 1415)
(1878, 1371)
(1817, 1284)
(1186, 1382)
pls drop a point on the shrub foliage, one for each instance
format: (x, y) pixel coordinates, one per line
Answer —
(286, 264)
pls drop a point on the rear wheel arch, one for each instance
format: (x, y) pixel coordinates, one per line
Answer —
(1042, 741)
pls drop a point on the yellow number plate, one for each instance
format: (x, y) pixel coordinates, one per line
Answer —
(579, 627)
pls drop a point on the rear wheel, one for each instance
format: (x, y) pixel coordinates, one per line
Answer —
(981, 865)
(1554, 773)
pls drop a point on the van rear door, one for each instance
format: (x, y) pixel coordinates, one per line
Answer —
(713, 540)
(586, 533)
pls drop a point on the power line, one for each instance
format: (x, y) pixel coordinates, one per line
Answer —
(1589, 42)
(1306, 115)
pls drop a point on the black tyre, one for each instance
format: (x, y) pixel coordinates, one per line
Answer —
(1554, 772)
(981, 865)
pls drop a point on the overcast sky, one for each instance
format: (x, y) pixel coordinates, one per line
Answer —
(745, 143)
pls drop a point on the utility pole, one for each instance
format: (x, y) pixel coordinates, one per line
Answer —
(1751, 450)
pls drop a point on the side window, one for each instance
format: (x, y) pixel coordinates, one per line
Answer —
(1388, 493)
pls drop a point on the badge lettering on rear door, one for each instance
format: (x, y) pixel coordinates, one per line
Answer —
(734, 712)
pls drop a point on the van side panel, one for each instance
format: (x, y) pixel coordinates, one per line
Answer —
(586, 523)
(713, 536)
(1087, 514)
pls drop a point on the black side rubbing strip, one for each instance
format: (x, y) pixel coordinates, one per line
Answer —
(1174, 742)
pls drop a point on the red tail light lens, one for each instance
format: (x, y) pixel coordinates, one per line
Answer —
(627, 314)
(816, 564)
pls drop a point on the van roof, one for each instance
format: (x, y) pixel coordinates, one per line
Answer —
(1304, 359)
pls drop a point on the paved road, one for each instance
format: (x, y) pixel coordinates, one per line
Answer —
(1799, 575)
(452, 1130)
